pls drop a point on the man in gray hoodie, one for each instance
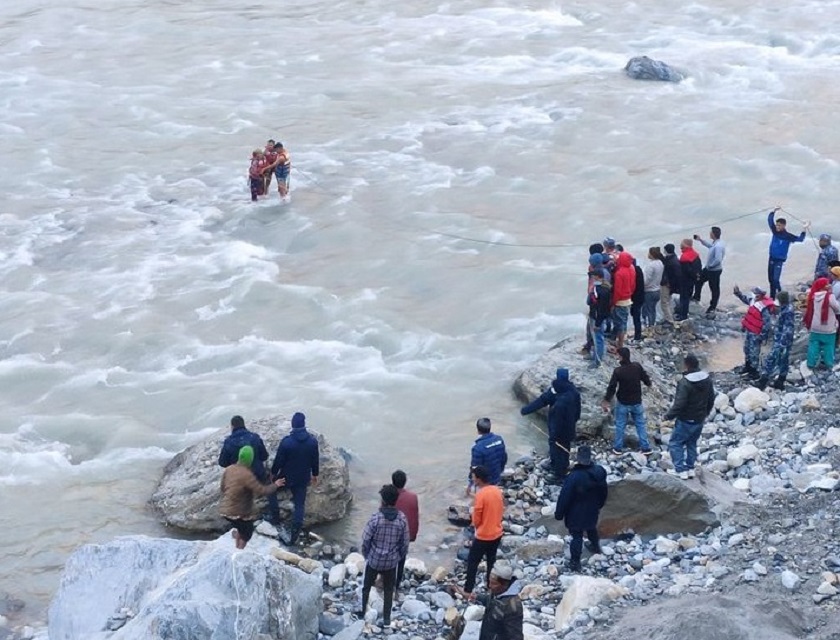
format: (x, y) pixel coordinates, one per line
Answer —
(694, 400)
(712, 271)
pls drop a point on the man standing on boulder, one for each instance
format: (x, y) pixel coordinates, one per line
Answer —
(694, 400)
(297, 460)
(628, 378)
(408, 505)
(580, 501)
(563, 401)
(238, 438)
(779, 245)
(489, 452)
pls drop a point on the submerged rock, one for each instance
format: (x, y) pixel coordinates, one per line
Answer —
(644, 68)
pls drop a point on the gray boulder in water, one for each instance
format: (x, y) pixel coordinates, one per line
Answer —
(136, 588)
(644, 68)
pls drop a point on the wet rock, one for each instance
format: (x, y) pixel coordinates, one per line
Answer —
(644, 68)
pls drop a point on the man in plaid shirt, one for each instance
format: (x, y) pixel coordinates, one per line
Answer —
(384, 544)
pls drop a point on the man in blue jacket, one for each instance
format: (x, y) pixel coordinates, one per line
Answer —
(488, 452)
(779, 245)
(563, 400)
(238, 438)
(580, 502)
(297, 460)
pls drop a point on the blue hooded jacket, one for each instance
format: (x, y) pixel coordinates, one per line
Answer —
(780, 243)
(235, 441)
(563, 400)
(489, 452)
(297, 457)
(583, 495)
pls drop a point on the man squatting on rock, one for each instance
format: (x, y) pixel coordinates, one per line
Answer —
(628, 377)
(297, 461)
(694, 400)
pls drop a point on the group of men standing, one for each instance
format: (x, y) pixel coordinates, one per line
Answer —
(273, 160)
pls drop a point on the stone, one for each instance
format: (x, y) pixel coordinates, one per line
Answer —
(310, 565)
(665, 545)
(742, 484)
(541, 549)
(827, 589)
(810, 403)
(355, 563)
(187, 495)
(644, 68)
(789, 579)
(440, 574)
(188, 588)
(442, 600)
(416, 566)
(450, 615)
(533, 632)
(459, 515)
(330, 624)
(721, 401)
(739, 455)
(286, 556)
(351, 632)
(474, 613)
(582, 593)
(414, 608)
(751, 399)
(832, 438)
(337, 575)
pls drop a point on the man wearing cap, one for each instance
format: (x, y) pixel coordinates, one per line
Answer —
(488, 510)
(580, 502)
(563, 401)
(489, 452)
(779, 245)
(778, 358)
(503, 613)
(756, 326)
(297, 460)
(828, 252)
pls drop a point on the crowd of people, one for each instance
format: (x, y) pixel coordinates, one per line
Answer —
(272, 161)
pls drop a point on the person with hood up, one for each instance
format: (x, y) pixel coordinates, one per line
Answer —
(238, 438)
(563, 401)
(828, 254)
(779, 245)
(756, 326)
(690, 268)
(488, 451)
(580, 501)
(503, 612)
(239, 486)
(779, 356)
(384, 544)
(821, 320)
(670, 283)
(624, 285)
(297, 461)
(694, 400)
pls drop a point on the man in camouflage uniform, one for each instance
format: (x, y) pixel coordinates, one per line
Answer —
(778, 357)
(756, 326)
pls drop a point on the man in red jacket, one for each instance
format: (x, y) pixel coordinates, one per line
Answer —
(690, 268)
(624, 284)
(410, 508)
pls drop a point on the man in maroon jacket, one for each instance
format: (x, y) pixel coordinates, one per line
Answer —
(407, 503)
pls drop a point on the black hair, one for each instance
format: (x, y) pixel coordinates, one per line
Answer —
(781, 221)
(237, 422)
(619, 247)
(398, 479)
(483, 425)
(481, 473)
(596, 248)
(691, 362)
(624, 355)
(669, 248)
(716, 232)
(389, 495)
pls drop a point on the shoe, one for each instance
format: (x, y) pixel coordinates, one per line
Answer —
(574, 566)
(593, 548)
(779, 383)
(684, 475)
(762, 383)
(584, 349)
(690, 473)
(646, 452)
(697, 300)
(617, 452)
(672, 472)
(594, 365)
(710, 311)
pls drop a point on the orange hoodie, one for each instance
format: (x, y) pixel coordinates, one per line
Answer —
(487, 513)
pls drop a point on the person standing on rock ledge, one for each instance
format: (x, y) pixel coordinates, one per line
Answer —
(580, 502)
(408, 505)
(694, 400)
(779, 245)
(488, 510)
(297, 461)
(239, 486)
(628, 377)
(563, 401)
(238, 438)
(489, 452)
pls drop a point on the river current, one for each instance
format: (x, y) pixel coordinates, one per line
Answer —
(451, 162)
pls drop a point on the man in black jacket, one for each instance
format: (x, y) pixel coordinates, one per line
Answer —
(580, 502)
(297, 460)
(503, 613)
(628, 378)
(694, 400)
(670, 283)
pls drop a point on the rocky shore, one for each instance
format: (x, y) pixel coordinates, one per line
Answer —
(746, 551)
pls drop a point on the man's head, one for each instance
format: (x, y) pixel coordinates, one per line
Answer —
(596, 261)
(270, 144)
(483, 425)
(669, 249)
(835, 273)
(562, 374)
(654, 253)
(398, 479)
(257, 153)
(480, 475)
(500, 578)
(236, 422)
(298, 421)
(691, 363)
(825, 240)
(623, 355)
(781, 224)
(278, 146)
(759, 292)
(584, 454)
(609, 243)
(784, 298)
(687, 243)
(714, 234)
(389, 495)
(246, 455)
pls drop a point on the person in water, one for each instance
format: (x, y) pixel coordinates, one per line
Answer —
(282, 167)
(239, 486)
(255, 174)
(270, 158)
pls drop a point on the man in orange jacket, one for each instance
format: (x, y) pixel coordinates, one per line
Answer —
(487, 519)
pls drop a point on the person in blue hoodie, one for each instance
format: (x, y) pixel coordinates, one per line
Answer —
(779, 245)
(488, 452)
(297, 461)
(240, 437)
(563, 401)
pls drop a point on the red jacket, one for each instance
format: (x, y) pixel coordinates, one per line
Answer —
(407, 503)
(753, 322)
(624, 279)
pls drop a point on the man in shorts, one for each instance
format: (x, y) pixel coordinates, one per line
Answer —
(282, 167)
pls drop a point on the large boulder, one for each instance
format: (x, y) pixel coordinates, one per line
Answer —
(187, 496)
(644, 68)
(592, 384)
(136, 588)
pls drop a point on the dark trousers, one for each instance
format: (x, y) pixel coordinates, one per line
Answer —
(774, 275)
(299, 502)
(576, 546)
(388, 577)
(257, 186)
(713, 278)
(686, 291)
(480, 549)
(400, 572)
(636, 313)
(559, 456)
(273, 507)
